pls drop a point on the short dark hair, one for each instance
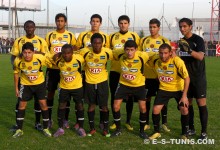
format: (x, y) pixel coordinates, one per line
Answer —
(28, 45)
(155, 21)
(124, 17)
(66, 46)
(96, 16)
(29, 21)
(61, 15)
(186, 20)
(96, 36)
(164, 46)
(130, 43)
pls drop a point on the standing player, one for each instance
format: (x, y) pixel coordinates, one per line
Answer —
(55, 40)
(151, 44)
(131, 82)
(96, 80)
(31, 84)
(192, 51)
(174, 82)
(70, 86)
(117, 41)
(40, 47)
(84, 40)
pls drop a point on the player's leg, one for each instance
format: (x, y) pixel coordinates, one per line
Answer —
(66, 119)
(142, 117)
(37, 111)
(191, 118)
(129, 109)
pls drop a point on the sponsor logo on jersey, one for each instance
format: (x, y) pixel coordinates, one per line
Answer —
(181, 53)
(57, 49)
(63, 42)
(128, 76)
(147, 50)
(136, 61)
(65, 72)
(35, 63)
(75, 65)
(55, 42)
(158, 42)
(95, 70)
(65, 36)
(34, 41)
(26, 71)
(35, 49)
(160, 70)
(99, 65)
(130, 39)
(69, 78)
(133, 70)
(34, 71)
(124, 69)
(32, 78)
(170, 65)
(91, 64)
(102, 57)
(169, 72)
(117, 46)
(165, 79)
(155, 50)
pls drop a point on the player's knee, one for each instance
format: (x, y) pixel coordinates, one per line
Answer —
(105, 108)
(183, 110)
(79, 106)
(91, 107)
(43, 104)
(62, 105)
(116, 107)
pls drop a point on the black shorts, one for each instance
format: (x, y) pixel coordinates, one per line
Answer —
(52, 79)
(66, 94)
(152, 86)
(163, 97)
(197, 88)
(28, 91)
(113, 82)
(97, 93)
(123, 91)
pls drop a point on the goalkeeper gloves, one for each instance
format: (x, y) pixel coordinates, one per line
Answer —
(183, 44)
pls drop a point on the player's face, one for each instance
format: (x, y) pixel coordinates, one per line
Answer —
(154, 29)
(28, 55)
(67, 54)
(60, 23)
(97, 45)
(95, 24)
(165, 54)
(29, 29)
(123, 25)
(130, 52)
(185, 29)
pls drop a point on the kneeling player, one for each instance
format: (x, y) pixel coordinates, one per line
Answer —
(31, 84)
(131, 82)
(174, 82)
(70, 86)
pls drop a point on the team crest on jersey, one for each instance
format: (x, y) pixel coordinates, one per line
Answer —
(147, 41)
(164, 67)
(29, 68)
(96, 60)
(133, 70)
(90, 55)
(152, 46)
(116, 37)
(23, 64)
(68, 69)
(65, 36)
(61, 64)
(123, 41)
(22, 41)
(75, 65)
(171, 65)
(102, 57)
(34, 41)
(136, 61)
(88, 36)
(169, 72)
(158, 42)
(54, 36)
(35, 63)
(130, 39)
(129, 65)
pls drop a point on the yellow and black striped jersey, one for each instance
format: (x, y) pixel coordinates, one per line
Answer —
(95, 64)
(84, 39)
(56, 40)
(117, 41)
(31, 72)
(38, 42)
(151, 46)
(70, 76)
(131, 70)
(171, 74)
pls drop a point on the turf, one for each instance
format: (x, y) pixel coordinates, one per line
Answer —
(33, 139)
